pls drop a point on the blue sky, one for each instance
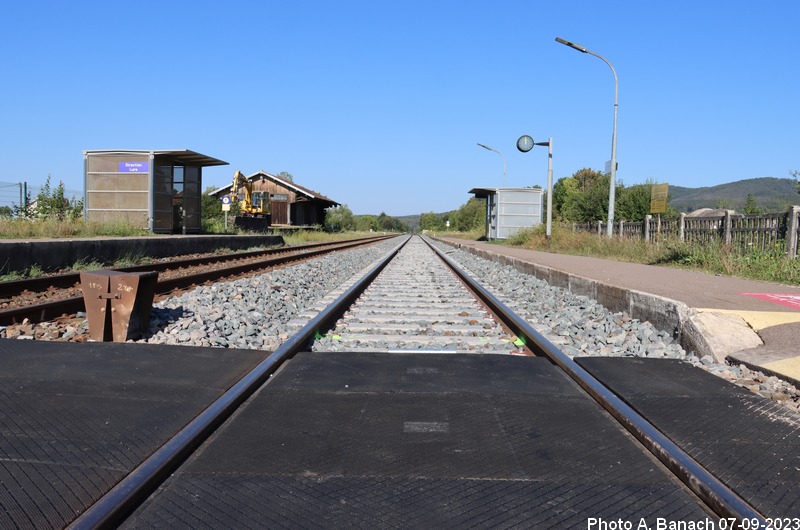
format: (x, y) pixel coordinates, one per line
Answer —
(379, 105)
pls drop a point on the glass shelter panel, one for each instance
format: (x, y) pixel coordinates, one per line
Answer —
(162, 197)
(191, 199)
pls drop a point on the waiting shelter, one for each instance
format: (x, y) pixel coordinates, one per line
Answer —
(510, 209)
(155, 189)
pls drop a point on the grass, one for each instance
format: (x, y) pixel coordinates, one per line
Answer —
(53, 228)
(301, 237)
(714, 258)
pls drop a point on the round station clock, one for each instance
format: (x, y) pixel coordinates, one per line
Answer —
(525, 143)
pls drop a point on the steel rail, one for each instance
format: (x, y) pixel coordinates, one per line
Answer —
(112, 508)
(715, 494)
(56, 308)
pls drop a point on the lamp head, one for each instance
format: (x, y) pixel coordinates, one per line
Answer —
(572, 45)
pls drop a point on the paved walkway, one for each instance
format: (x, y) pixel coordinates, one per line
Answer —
(748, 321)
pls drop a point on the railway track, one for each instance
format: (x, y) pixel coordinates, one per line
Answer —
(416, 304)
(49, 297)
(381, 312)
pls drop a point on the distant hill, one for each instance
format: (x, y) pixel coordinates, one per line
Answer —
(412, 221)
(771, 194)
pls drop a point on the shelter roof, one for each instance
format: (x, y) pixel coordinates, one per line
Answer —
(183, 156)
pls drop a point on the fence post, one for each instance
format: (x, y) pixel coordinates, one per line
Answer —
(600, 228)
(727, 228)
(792, 232)
(647, 227)
(682, 227)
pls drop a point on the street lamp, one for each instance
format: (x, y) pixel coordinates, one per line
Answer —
(613, 183)
(501, 156)
(525, 144)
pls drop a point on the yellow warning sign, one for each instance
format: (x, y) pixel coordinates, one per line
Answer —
(658, 198)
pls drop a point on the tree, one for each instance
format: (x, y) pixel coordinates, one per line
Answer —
(593, 205)
(339, 219)
(431, 221)
(576, 198)
(796, 174)
(633, 203)
(470, 216)
(724, 204)
(566, 195)
(391, 224)
(366, 223)
(750, 206)
(285, 175)
(588, 178)
(51, 204)
(210, 206)
(6, 211)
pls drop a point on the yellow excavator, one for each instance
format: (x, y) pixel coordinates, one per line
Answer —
(251, 203)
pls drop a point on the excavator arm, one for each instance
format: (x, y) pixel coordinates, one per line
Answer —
(250, 203)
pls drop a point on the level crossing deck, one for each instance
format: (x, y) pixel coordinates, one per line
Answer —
(375, 439)
(417, 440)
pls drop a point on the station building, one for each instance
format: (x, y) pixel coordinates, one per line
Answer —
(290, 203)
(156, 189)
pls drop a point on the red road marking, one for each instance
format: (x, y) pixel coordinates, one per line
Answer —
(788, 300)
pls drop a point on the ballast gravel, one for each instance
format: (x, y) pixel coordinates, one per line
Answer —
(262, 311)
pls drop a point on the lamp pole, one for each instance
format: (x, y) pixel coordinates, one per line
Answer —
(502, 157)
(613, 183)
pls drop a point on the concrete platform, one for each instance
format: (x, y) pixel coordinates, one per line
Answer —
(369, 440)
(751, 443)
(52, 254)
(76, 418)
(745, 321)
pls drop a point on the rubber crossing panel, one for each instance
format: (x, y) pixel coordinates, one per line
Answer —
(750, 442)
(76, 418)
(376, 440)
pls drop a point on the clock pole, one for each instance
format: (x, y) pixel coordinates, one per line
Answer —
(525, 144)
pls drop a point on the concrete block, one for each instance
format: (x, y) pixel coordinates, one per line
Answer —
(612, 297)
(665, 314)
(581, 286)
(718, 335)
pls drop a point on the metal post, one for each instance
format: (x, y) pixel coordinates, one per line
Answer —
(612, 185)
(549, 187)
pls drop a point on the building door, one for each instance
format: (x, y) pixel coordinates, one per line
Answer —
(279, 208)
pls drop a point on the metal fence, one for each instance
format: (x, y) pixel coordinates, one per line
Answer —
(12, 193)
(769, 232)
